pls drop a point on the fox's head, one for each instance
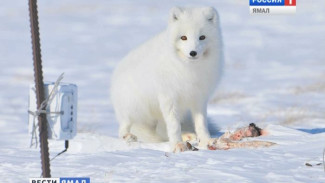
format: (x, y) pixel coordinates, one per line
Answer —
(194, 31)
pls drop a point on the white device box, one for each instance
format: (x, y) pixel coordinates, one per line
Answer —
(61, 111)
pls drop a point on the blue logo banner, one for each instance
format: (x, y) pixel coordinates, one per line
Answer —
(74, 180)
(266, 2)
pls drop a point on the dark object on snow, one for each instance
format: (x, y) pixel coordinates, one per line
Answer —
(256, 131)
(190, 147)
(311, 165)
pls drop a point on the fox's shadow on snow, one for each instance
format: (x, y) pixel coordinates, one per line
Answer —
(213, 128)
(313, 131)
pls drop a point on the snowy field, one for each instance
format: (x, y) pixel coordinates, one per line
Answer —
(274, 76)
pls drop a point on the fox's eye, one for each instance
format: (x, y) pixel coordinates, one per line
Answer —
(184, 38)
(202, 37)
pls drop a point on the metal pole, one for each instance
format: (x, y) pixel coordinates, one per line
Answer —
(38, 75)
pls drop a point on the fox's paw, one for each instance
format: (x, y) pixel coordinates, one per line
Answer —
(130, 137)
(181, 147)
(209, 143)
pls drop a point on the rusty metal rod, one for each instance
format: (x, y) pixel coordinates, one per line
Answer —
(39, 85)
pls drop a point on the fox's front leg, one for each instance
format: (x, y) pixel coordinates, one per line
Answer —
(199, 114)
(171, 117)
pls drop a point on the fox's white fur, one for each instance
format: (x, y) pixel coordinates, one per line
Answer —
(159, 87)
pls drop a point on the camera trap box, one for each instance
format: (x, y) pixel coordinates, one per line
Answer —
(61, 111)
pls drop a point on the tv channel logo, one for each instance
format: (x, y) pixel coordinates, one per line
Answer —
(266, 7)
(60, 180)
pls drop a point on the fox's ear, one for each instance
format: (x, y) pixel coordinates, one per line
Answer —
(211, 14)
(175, 14)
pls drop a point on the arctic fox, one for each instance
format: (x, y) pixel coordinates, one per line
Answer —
(163, 87)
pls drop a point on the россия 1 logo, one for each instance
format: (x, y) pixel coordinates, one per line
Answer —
(272, 6)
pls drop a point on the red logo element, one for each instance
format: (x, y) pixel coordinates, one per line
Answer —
(290, 2)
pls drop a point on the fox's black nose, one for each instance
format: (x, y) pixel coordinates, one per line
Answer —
(193, 53)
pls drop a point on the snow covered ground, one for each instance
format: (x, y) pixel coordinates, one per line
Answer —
(274, 76)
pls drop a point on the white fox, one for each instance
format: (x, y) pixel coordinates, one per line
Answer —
(164, 85)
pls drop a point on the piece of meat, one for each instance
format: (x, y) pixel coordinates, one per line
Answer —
(251, 131)
(232, 140)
